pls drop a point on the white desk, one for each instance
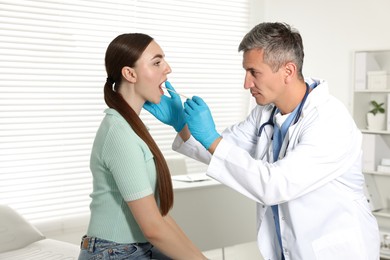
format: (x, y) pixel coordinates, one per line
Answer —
(213, 215)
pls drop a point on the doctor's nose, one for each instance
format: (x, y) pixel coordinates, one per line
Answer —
(248, 82)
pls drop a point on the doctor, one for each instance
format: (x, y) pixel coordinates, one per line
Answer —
(297, 154)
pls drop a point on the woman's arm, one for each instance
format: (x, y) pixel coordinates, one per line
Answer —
(161, 231)
(179, 231)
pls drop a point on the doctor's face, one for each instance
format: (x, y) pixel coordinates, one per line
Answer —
(265, 85)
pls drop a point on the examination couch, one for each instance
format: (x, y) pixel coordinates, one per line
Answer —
(19, 240)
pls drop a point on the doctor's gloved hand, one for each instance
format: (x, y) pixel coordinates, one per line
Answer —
(200, 122)
(170, 109)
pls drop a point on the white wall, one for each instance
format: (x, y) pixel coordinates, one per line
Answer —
(331, 31)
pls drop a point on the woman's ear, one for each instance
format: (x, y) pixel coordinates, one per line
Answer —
(129, 74)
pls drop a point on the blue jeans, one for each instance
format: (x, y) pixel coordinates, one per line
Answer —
(93, 248)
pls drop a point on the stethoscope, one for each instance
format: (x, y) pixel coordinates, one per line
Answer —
(270, 121)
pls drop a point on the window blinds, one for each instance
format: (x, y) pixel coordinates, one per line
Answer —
(51, 86)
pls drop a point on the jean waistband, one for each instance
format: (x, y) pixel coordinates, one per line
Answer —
(88, 243)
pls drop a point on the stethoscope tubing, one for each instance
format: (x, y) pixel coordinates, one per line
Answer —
(270, 121)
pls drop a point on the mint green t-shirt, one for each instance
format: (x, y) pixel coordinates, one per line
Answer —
(123, 170)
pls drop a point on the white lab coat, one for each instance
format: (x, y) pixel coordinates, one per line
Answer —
(317, 181)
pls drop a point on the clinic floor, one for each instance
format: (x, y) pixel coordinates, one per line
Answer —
(248, 251)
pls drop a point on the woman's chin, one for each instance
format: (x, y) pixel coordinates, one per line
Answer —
(156, 100)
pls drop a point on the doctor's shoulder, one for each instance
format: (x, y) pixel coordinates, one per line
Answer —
(334, 114)
(334, 108)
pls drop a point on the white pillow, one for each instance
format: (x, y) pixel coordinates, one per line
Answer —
(15, 231)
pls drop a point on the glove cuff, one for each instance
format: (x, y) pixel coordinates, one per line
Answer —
(210, 140)
(179, 126)
(180, 123)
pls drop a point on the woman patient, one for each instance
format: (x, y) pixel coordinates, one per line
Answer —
(132, 188)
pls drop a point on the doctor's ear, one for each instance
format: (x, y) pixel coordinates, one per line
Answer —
(129, 74)
(290, 70)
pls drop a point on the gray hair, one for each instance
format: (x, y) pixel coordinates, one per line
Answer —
(280, 43)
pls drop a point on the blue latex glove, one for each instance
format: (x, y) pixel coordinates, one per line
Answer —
(169, 110)
(200, 122)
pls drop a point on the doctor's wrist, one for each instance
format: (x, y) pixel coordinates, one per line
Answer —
(214, 145)
(185, 133)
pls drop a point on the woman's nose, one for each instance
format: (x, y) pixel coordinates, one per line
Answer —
(168, 69)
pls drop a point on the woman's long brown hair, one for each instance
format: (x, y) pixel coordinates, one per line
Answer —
(123, 51)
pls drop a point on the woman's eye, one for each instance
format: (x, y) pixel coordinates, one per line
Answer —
(157, 63)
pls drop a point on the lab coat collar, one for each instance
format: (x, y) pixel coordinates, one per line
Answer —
(316, 96)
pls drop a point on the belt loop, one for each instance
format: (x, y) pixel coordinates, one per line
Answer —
(82, 241)
(88, 243)
(91, 244)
